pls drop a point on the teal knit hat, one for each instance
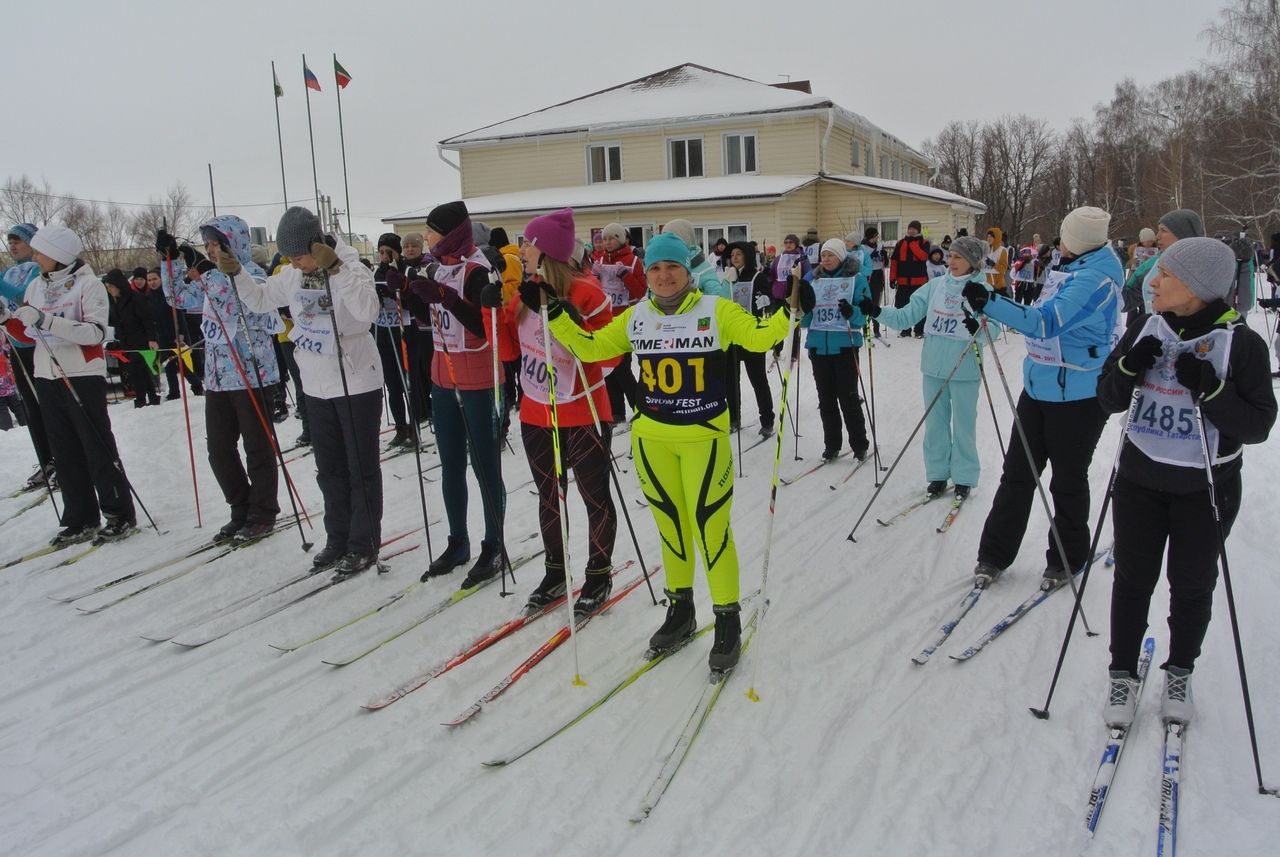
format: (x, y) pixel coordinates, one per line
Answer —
(666, 247)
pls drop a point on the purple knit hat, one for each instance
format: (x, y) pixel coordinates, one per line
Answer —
(553, 234)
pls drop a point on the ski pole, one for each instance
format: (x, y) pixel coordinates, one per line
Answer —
(871, 420)
(871, 383)
(792, 312)
(182, 376)
(1035, 474)
(796, 359)
(1231, 599)
(267, 426)
(613, 472)
(44, 476)
(560, 490)
(932, 402)
(1043, 713)
(410, 392)
(84, 412)
(736, 371)
(982, 371)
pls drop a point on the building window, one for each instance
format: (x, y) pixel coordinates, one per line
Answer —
(894, 169)
(739, 154)
(604, 163)
(855, 150)
(884, 166)
(888, 229)
(638, 234)
(684, 158)
(707, 236)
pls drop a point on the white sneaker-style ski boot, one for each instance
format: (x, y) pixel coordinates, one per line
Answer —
(1122, 700)
(1176, 705)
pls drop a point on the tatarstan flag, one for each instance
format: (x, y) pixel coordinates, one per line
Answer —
(340, 73)
(276, 83)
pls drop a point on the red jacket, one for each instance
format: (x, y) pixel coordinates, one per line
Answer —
(636, 282)
(585, 294)
(908, 266)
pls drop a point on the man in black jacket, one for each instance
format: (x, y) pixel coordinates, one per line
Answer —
(135, 330)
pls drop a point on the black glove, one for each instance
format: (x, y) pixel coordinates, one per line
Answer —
(190, 255)
(1141, 356)
(976, 294)
(204, 266)
(531, 294)
(1269, 303)
(845, 308)
(1197, 376)
(807, 298)
(491, 295)
(166, 245)
(971, 324)
(869, 308)
(380, 288)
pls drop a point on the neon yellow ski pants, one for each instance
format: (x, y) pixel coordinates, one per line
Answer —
(689, 486)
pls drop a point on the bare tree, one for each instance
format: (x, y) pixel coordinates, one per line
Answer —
(176, 211)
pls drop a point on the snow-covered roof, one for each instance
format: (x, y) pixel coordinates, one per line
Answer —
(685, 93)
(909, 189)
(720, 189)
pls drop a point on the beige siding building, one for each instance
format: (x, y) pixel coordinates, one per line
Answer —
(740, 159)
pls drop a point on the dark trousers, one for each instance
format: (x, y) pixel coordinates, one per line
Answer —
(23, 375)
(902, 298)
(1144, 520)
(229, 418)
(876, 280)
(836, 377)
(393, 373)
(421, 353)
(621, 386)
(84, 451)
(141, 379)
(452, 426)
(757, 375)
(12, 402)
(344, 434)
(1063, 434)
(581, 449)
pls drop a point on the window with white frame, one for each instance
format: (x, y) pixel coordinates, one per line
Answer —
(740, 154)
(707, 236)
(884, 166)
(638, 234)
(894, 169)
(604, 163)
(855, 151)
(684, 158)
(888, 229)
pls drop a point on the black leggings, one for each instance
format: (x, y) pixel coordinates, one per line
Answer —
(581, 449)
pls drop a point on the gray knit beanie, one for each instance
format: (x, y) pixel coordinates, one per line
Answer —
(1184, 223)
(1205, 265)
(479, 233)
(972, 250)
(298, 230)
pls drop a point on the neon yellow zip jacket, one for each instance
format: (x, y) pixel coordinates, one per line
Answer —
(672, 377)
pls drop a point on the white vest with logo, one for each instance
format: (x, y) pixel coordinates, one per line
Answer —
(535, 377)
(1164, 422)
(449, 334)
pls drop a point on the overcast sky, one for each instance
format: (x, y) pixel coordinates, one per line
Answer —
(119, 101)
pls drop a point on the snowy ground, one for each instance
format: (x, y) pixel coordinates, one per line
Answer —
(110, 744)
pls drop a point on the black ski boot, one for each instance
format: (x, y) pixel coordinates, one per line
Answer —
(679, 625)
(488, 565)
(936, 487)
(766, 428)
(72, 536)
(401, 438)
(116, 528)
(728, 644)
(326, 557)
(595, 591)
(354, 563)
(254, 531)
(550, 589)
(455, 554)
(304, 439)
(227, 534)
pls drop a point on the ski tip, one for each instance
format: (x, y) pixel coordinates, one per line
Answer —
(919, 661)
(1040, 713)
(962, 657)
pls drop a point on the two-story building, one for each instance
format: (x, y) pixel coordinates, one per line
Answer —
(738, 158)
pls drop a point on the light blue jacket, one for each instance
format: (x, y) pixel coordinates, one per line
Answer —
(13, 289)
(1082, 315)
(708, 280)
(825, 343)
(220, 371)
(940, 353)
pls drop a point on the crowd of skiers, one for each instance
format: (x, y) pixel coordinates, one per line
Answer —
(459, 326)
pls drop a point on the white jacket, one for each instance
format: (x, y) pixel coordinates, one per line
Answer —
(355, 306)
(75, 326)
